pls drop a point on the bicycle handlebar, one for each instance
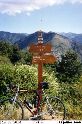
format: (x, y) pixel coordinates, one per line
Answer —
(26, 90)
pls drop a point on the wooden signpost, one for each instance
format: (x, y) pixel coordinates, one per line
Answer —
(41, 57)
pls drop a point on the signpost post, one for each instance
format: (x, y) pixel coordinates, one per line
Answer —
(43, 57)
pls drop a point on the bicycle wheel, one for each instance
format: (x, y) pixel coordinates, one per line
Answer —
(10, 110)
(53, 108)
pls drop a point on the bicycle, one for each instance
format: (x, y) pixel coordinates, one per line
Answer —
(46, 108)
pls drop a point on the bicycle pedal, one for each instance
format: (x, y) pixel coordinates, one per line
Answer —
(35, 117)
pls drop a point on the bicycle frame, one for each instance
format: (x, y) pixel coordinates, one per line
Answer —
(35, 112)
(39, 98)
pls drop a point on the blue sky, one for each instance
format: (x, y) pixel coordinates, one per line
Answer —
(24, 16)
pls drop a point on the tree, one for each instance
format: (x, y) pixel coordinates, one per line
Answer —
(28, 57)
(5, 48)
(68, 69)
(15, 55)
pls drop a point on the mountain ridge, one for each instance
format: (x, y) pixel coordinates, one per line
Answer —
(61, 42)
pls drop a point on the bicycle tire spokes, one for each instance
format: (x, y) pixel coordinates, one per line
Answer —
(58, 109)
(10, 110)
(53, 109)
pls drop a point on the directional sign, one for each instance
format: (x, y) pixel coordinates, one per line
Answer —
(40, 48)
(44, 59)
(41, 55)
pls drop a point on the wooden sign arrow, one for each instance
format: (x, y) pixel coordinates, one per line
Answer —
(40, 48)
(44, 59)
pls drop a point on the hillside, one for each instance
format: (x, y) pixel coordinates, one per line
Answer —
(60, 42)
(76, 42)
(64, 77)
(73, 36)
(12, 37)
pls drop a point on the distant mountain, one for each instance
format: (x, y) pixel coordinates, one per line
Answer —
(73, 36)
(12, 37)
(61, 42)
(76, 42)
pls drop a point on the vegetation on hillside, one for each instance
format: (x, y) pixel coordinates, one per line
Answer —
(14, 53)
(64, 77)
(69, 68)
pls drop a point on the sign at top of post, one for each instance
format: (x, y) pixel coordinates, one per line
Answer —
(40, 48)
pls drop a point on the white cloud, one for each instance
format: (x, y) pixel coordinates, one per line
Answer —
(13, 7)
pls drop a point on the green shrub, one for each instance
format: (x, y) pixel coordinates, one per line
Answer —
(4, 60)
(71, 94)
(26, 76)
(6, 77)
